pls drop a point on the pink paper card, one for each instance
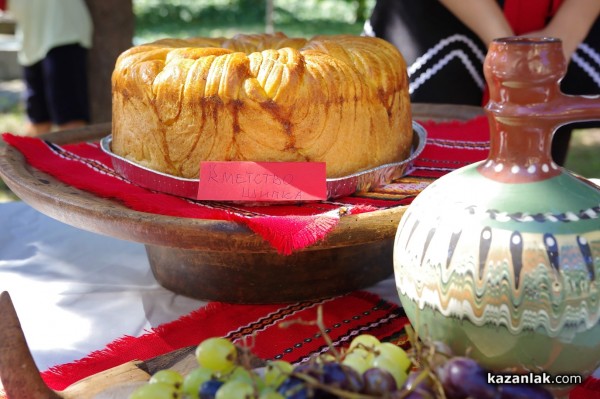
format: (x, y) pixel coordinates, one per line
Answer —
(262, 181)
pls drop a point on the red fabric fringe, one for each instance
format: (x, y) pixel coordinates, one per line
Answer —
(260, 325)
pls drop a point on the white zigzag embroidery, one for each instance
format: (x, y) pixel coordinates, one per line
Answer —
(368, 29)
(433, 51)
(586, 66)
(424, 76)
(591, 52)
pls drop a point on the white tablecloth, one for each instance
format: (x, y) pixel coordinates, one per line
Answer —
(76, 291)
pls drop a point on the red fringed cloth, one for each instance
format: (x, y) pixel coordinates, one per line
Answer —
(286, 332)
(287, 228)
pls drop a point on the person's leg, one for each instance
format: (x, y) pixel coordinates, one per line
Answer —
(72, 124)
(37, 128)
(65, 69)
(35, 101)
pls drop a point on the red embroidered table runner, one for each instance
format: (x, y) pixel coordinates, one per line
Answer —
(263, 325)
(344, 317)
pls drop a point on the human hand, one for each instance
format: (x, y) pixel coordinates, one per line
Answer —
(571, 24)
(569, 44)
(484, 17)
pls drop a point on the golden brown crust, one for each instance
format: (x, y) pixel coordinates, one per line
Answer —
(339, 99)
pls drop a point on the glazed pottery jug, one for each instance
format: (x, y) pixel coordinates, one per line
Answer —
(501, 259)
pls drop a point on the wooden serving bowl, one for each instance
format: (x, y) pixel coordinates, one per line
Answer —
(222, 260)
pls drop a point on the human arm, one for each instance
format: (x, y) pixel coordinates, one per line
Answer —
(571, 23)
(484, 17)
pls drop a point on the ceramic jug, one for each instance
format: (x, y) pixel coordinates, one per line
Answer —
(501, 259)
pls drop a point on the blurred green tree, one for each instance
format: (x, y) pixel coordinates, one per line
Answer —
(361, 9)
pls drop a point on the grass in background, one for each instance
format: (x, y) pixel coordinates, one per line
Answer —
(584, 153)
(13, 119)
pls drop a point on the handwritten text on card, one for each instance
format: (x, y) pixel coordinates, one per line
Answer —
(262, 181)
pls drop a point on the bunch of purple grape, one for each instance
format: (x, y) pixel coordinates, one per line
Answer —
(463, 377)
(368, 369)
(458, 378)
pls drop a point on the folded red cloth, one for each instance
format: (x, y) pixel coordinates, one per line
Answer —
(262, 325)
(287, 228)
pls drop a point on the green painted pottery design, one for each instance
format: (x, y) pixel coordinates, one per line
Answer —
(494, 269)
(501, 259)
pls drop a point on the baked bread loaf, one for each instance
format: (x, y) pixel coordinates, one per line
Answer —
(338, 99)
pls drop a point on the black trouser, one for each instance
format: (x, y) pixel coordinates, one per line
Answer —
(56, 87)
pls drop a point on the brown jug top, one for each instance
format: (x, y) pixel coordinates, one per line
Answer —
(526, 106)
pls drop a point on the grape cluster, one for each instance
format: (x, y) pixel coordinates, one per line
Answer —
(463, 377)
(367, 369)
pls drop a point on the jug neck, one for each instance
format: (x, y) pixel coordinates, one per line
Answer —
(526, 107)
(519, 153)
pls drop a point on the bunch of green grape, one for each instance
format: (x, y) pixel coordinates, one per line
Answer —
(367, 369)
